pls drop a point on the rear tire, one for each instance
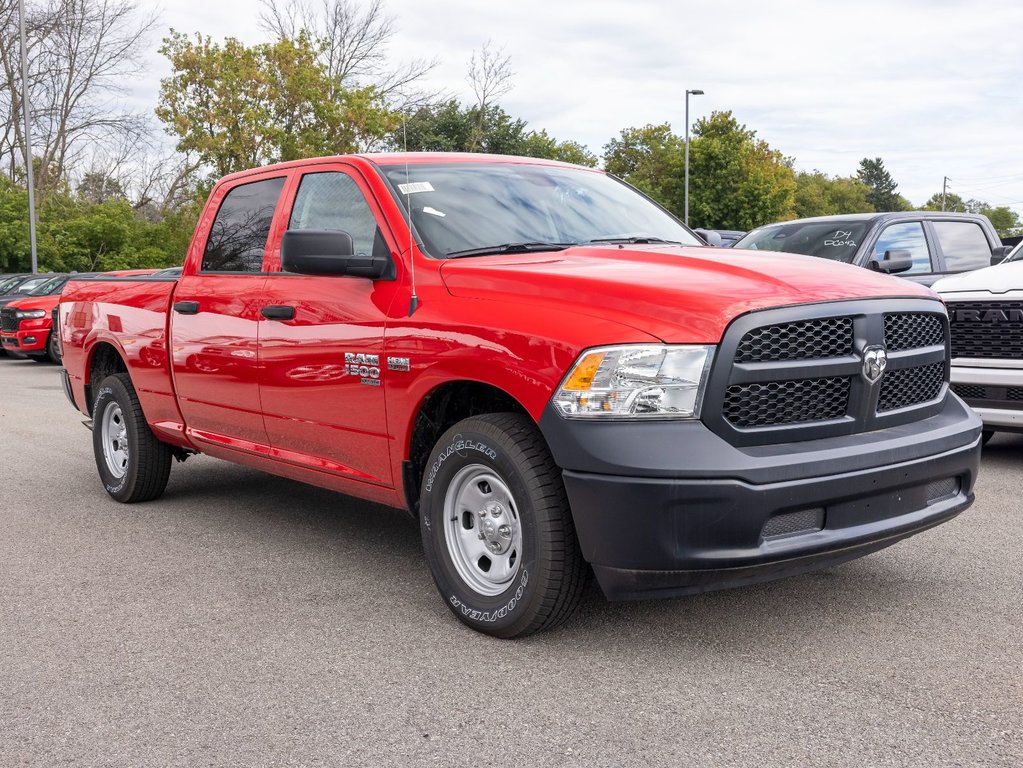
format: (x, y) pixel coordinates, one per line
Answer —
(132, 463)
(497, 529)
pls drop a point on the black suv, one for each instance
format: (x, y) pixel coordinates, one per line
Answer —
(920, 245)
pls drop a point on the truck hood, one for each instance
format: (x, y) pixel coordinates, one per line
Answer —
(1001, 278)
(678, 294)
(37, 302)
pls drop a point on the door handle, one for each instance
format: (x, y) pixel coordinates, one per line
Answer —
(186, 307)
(278, 312)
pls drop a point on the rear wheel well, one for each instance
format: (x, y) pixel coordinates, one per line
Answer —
(104, 361)
(445, 406)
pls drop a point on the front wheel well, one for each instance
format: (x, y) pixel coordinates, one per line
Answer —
(443, 407)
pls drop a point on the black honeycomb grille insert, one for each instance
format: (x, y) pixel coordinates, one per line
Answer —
(910, 386)
(911, 331)
(970, 391)
(786, 402)
(804, 340)
(8, 320)
(987, 329)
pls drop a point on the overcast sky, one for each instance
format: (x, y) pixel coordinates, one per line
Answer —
(934, 87)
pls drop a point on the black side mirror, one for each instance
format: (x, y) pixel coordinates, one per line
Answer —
(710, 237)
(999, 252)
(330, 252)
(898, 260)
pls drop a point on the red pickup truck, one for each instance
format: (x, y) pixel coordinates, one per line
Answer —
(543, 366)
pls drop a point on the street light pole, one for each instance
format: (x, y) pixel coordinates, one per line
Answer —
(685, 196)
(27, 114)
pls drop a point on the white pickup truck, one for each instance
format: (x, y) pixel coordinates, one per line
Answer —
(985, 310)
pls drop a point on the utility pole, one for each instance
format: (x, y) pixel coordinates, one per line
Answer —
(685, 195)
(26, 112)
(944, 188)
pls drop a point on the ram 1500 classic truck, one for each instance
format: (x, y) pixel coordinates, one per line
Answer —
(543, 366)
(986, 313)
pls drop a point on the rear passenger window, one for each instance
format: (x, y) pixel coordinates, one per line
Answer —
(963, 244)
(908, 236)
(239, 233)
(333, 200)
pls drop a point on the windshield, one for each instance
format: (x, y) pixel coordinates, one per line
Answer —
(1016, 254)
(29, 285)
(53, 285)
(835, 240)
(7, 285)
(467, 209)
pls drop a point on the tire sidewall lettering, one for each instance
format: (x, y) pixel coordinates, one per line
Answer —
(459, 446)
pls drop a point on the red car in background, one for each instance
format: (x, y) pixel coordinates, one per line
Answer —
(26, 324)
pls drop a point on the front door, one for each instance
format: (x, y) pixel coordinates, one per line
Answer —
(321, 348)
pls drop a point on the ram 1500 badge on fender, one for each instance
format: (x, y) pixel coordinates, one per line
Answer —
(548, 371)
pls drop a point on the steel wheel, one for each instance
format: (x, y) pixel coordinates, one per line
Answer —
(482, 529)
(114, 437)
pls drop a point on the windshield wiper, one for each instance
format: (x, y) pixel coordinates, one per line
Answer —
(489, 250)
(636, 239)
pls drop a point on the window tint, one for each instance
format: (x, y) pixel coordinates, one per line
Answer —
(963, 244)
(908, 236)
(835, 240)
(333, 200)
(238, 235)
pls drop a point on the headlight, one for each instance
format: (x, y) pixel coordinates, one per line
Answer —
(30, 314)
(636, 382)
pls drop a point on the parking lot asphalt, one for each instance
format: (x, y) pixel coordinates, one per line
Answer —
(246, 620)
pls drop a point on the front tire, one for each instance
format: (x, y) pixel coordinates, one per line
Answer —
(497, 529)
(53, 347)
(132, 463)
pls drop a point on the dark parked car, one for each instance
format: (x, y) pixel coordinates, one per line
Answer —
(920, 245)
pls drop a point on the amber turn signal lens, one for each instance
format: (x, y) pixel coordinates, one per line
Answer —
(584, 371)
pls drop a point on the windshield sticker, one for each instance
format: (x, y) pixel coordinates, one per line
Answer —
(415, 186)
(434, 212)
(841, 239)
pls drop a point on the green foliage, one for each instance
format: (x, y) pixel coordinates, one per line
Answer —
(450, 127)
(652, 159)
(736, 181)
(238, 106)
(74, 234)
(1004, 219)
(818, 194)
(882, 195)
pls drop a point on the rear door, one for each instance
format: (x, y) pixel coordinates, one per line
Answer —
(215, 318)
(963, 245)
(321, 350)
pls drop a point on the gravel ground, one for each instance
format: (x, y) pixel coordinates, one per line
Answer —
(245, 620)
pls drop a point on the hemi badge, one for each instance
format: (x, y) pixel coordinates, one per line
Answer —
(398, 364)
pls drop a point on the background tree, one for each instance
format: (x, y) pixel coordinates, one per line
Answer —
(737, 181)
(352, 42)
(81, 53)
(236, 106)
(818, 194)
(650, 158)
(883, 193)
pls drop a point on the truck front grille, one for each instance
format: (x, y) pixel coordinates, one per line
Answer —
(910, 386)
(8, 320)
(987, 329)
(786, 402)
(909, 331)
(829, 337)
(990, 395)
(781, 377)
